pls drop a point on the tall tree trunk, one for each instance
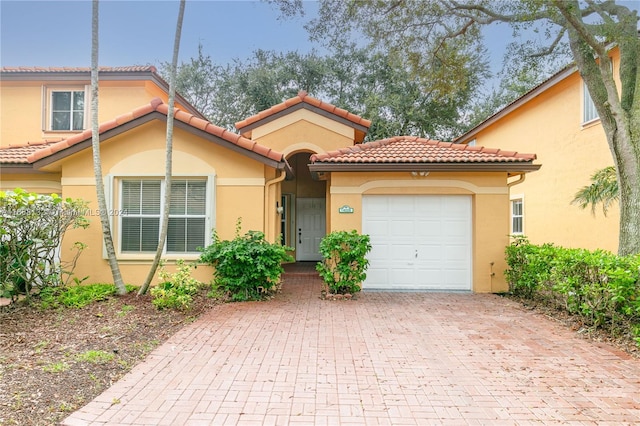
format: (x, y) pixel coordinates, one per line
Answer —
(169, 153)
(97, 163)
(619, 112)
(629, 187)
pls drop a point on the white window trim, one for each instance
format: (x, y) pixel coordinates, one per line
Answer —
(586, 98)
(516, 197)
(47, 103)
(210, 216)
(585, 95)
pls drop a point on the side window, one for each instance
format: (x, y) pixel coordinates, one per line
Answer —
(589, 112)
(66, 110)
(517, 216)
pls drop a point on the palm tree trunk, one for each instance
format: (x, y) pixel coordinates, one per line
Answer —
(169, 153)
(97, 163)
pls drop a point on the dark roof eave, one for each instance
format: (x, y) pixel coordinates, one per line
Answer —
(17, 168)
(427, 167)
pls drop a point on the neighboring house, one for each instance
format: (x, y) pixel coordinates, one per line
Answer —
(437, 213)
(558, 121)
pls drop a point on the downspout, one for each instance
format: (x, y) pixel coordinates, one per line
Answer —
(517, 181)
(268, 208)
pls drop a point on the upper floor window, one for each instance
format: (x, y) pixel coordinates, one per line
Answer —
(67, 110)
(589, 112)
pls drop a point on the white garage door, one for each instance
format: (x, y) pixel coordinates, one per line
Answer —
(419, 242)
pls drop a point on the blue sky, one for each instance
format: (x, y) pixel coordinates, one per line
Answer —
(58, 33)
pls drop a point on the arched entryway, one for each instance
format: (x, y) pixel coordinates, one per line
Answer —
(303, 222)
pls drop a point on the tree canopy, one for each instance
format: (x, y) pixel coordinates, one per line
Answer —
(371, 84)
(437, 40)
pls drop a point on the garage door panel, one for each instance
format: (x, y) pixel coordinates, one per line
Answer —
(402, 275)
(401, 227)
(425, 245)
(377, 278)
(431, 253)
(401, 253)
(428, 229)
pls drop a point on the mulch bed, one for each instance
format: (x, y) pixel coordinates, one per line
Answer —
(53, 362)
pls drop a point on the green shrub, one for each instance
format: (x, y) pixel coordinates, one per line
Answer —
(32, 227)
(344, 262)
(176, 290)
(247, 267)
(76, 296)
(604, 289)
(529, 266)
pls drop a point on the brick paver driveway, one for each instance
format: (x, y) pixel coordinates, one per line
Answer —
(384, 359)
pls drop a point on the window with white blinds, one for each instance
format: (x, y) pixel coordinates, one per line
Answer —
(142, 205)
(589, 111)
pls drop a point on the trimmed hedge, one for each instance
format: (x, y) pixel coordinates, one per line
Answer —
(603, 288)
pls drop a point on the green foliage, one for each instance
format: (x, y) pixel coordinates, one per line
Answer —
(176, 290)
(603, 288)
(344, 265)
(374, 85)
(529, 266)
(76, 296)
(95, 357)
(31, 230)
(603, 190)
(55, 367)
(247, 267)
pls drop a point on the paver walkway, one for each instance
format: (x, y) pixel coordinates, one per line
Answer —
(384, 359)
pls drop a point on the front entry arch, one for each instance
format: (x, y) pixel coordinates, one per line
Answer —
(308, 212)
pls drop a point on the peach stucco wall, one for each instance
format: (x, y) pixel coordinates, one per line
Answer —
(39, 183)
(22, 103)
(305, 131)
(550, 126)
(239, 191)
(490, 204)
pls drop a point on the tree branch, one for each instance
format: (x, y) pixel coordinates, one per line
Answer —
(564, 7)
(553, 45)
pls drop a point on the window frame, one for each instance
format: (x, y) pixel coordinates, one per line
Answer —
(48, 109)
(513, 216)
(118, 213)
(589, 111)
(588, 105)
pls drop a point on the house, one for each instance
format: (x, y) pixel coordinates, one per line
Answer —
(437, 213)
(557, 120)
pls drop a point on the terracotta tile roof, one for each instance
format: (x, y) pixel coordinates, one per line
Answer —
(26, 154)
(411, 149)
(17, 154)
(303, 98)
(135, 68)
